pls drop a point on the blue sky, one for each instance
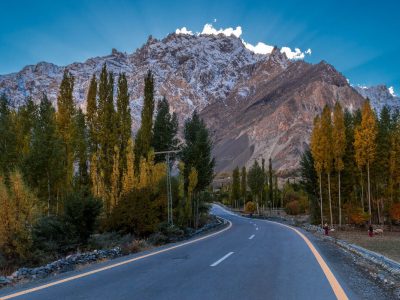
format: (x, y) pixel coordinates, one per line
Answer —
(360, 38)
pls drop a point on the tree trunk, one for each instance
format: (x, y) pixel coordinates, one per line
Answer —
(340, 205)
(330, 199)
(369, 195)
(362, 191)
(320, 197)
(48, 193)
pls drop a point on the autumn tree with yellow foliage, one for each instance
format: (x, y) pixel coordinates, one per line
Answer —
(339, 147)
(364, 144)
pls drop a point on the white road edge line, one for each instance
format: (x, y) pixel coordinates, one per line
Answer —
(41, 287)
(251, 237)
(221, 259)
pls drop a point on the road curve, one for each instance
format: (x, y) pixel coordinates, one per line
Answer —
(250, 259)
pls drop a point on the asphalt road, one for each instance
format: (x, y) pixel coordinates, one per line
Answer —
(250, 259)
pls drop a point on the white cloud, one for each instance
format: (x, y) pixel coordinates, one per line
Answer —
(259, 48)
(183, 30)
(296, 54)
(391, 91)
(209, 29)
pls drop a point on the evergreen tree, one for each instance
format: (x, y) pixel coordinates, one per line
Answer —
(145, 133)
(165, 129)
(309, 181)
(81, 146)
(364, 144)
(243, 186)
(91, 115)
(25, 121)
(106, 134)
(339, 148)
(255, 179)
(317, 153)
(197, 152)
(270, 185)
(235, 196)
(8, 150)
(65, 124)
(44, 166)
(124, 121)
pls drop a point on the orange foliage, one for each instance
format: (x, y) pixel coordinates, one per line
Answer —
(395, 212)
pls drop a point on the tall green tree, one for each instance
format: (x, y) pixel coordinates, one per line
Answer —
(243, 185)
(106, 133)
(196, 152)
(270, 184)
(124, 129)
(91, 115)
(65, 124)
(8, 150)
(144, 135)
(255, 179)
(165, 129)
(81, 146)
(318, 157)
(44, 166)
(235, 196)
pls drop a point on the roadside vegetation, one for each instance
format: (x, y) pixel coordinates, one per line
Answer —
(73, 180)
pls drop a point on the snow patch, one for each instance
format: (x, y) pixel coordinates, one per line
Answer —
(391, 91)
(183, 30)
(260, 48)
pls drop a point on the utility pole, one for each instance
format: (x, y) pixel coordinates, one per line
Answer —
(169, 189)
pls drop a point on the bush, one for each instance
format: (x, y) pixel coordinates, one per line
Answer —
(108, 240)
(293, 208)
(134, 246)
(250, 207)
(137, 212)
(394, 212)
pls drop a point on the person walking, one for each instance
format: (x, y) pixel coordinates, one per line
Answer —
(326, 229)
(370, 231)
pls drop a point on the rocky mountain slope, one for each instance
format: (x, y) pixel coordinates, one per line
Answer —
(256, 105)
(379, 96)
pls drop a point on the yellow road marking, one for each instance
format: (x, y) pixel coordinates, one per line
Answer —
(336, 287)
(41, 287)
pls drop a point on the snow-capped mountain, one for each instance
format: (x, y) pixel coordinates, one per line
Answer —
(379, 96)
(256, 103)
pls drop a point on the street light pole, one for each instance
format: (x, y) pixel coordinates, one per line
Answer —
(169, 189)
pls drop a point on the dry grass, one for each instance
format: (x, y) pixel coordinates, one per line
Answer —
(387, 244)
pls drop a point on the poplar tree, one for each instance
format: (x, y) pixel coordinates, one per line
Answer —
(317, 153)
(65, 124)
(243, 186)
(326, 144)
(44, 164)
(106, 132)
(270, 177)
(364, 144)
(124, 121)
(235, 196)
(165, 129)
(339, 147)
(81, 151)
(91, 115)
(145, 133)
(255, 180)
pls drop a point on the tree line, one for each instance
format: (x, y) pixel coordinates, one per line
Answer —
(66, 173)
(257, 185)
(350, 172)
